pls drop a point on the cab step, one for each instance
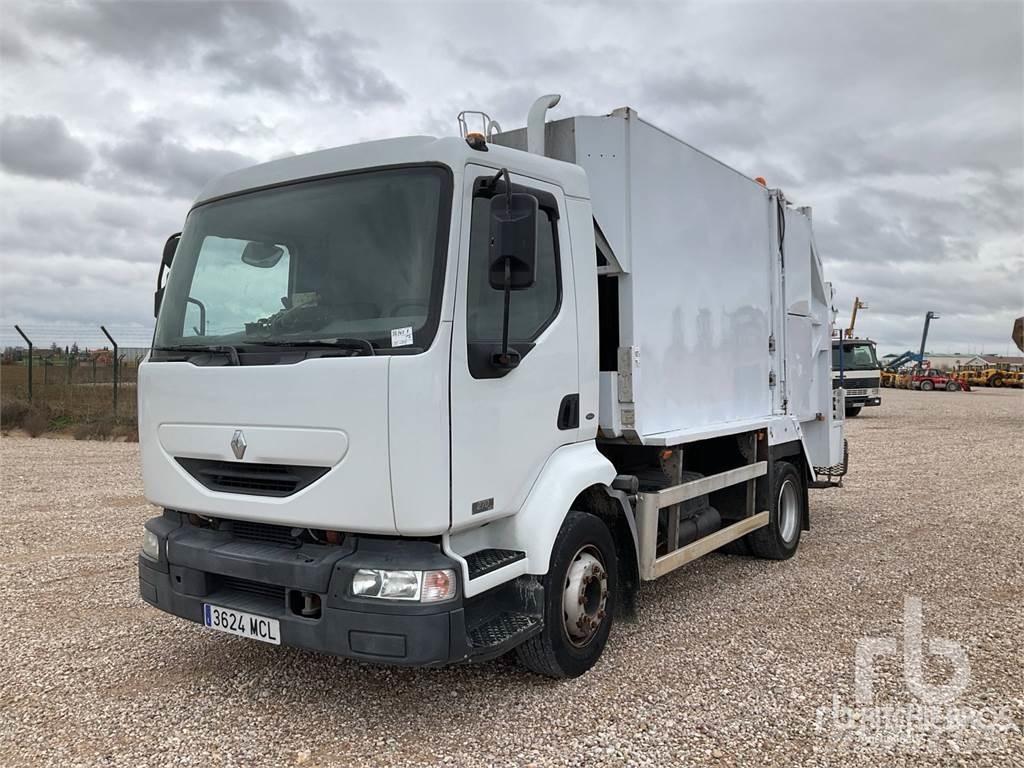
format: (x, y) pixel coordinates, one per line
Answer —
(501, 633)
(486, 560)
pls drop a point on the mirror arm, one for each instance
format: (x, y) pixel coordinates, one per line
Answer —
(507, 359)
(202, 314)
(508, 186)
(508, 299)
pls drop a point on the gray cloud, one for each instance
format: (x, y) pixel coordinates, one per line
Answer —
(156, 158)
(693, 90)
(338, 65)
(166, 32)
(262, 45)
(42, 146)
(899, 122)
(12, 47)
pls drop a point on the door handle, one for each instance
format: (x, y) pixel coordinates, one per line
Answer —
(569, 412)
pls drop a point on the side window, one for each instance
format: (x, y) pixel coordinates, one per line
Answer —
(531, 310)
(235, 292)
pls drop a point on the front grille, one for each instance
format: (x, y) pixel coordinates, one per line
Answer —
(856, 393)
(276, 534)
(251, 479)
(254, 588)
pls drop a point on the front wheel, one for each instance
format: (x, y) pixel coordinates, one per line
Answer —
(927, 386)
(579, 591)
(952, 386)
(995, 381)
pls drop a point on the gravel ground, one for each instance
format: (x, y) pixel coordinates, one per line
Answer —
(732, 661)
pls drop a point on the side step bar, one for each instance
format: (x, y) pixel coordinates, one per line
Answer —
(484, 561)
(649, 504)
(501, 633)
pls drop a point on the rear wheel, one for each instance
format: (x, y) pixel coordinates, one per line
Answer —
(852, 410)
(578, 600)
(927, 386)
(785, 503)
(995, 381)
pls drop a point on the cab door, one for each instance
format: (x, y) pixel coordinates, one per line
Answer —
(505, 424)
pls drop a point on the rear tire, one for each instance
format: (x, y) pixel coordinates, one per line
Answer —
(927, 386)
(995, 381)
(852, 410)
(785, 502)
(579, 591)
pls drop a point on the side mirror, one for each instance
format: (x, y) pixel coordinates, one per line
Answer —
(165, 262)
(169, 248)
(262, 255)
(513, 242)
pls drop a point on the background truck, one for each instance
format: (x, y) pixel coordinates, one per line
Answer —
(856, 369)
(423, 401)
(855, 366)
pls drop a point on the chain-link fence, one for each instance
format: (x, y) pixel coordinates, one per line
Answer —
(83, 387)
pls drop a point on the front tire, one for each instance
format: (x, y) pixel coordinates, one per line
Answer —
(952, 386)
(927, 386)
(785, 501)
(579, 591)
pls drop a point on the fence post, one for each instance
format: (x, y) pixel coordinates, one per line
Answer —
(114, 344)
(29, 342)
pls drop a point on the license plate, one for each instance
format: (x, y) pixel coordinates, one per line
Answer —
(243, 624)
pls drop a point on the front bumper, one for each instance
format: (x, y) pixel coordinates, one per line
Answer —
(197, 566)
(859, 402)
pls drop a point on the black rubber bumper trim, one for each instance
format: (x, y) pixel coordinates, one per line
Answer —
(431, 639)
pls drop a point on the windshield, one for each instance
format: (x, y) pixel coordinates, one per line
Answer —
(856, 357)
(359, 256)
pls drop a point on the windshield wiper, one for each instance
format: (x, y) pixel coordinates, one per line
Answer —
(222, 349)
(339, 343)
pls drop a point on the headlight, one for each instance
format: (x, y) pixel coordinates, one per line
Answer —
(150, 545)
(425, 586)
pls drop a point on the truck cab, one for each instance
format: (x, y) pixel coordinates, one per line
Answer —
(391, 414)
(856, 369)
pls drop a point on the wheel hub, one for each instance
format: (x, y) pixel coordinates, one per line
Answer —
(585, 599)
(789, 510)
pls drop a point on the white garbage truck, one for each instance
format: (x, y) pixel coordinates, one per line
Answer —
(430, 400)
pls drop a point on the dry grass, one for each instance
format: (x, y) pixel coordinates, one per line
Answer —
(68, 406)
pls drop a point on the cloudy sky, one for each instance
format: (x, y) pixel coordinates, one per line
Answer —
(901, 123)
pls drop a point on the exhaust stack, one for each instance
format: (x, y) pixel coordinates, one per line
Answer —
(535, 122)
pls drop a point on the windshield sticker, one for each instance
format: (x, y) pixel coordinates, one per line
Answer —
(401, 337)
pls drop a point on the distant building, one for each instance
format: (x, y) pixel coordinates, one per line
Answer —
(1004, 360)
(948, 361)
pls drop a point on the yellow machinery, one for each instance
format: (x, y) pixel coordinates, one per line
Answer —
(857, 304)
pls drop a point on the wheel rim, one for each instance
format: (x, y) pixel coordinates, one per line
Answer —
(789, 511)
(585, 598)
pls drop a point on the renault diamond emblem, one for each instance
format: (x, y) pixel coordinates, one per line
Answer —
(238, 444)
